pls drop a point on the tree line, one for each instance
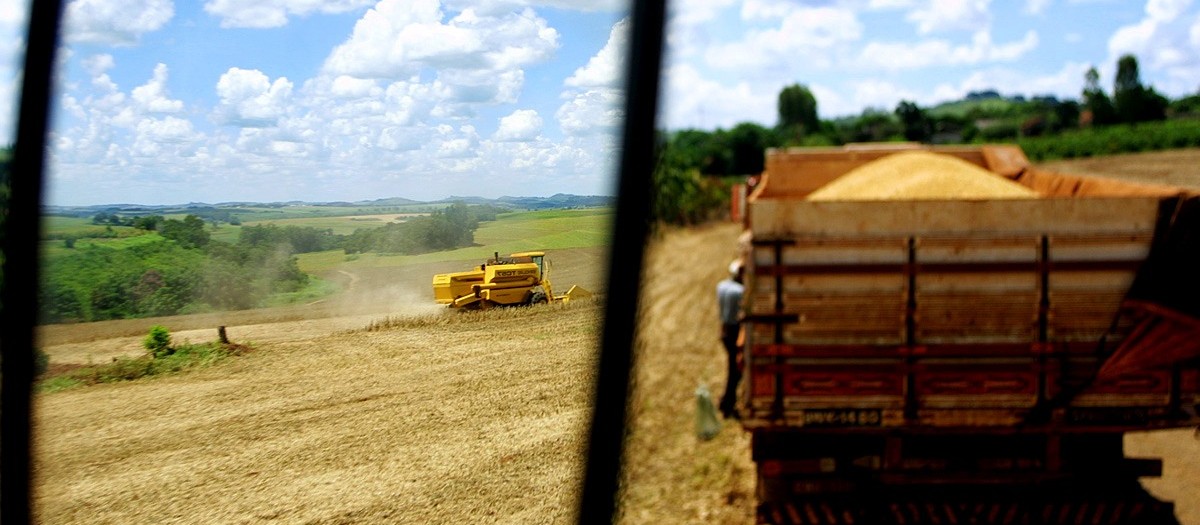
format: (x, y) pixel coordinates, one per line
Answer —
(696, 168)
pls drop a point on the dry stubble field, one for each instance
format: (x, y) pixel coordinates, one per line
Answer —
(434, 419)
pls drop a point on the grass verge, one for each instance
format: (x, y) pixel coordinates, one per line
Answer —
(184, 357)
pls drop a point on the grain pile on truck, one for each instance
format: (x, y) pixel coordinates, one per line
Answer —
(920, 175)
(930, 356)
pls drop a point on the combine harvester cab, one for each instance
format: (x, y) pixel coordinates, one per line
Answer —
(519, 279)
(965, 360)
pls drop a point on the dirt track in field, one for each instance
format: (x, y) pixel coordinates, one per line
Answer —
(435, 419)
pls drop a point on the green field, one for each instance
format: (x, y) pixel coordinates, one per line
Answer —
(56, 248)
(511, 232)
(55, 227)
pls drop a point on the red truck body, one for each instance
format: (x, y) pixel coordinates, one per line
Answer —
(904, 357)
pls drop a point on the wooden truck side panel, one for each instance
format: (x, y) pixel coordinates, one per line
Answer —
(943, 313)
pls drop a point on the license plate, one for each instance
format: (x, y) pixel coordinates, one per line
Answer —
(843, 418)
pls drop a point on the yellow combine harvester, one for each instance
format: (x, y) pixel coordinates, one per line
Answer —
(519, 279)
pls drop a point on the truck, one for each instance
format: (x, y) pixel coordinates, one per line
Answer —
(519, 279)
(964, 360)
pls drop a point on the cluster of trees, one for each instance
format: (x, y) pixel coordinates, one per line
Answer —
(695, 167)
(148, 222)
(181, 272)
(215, 216)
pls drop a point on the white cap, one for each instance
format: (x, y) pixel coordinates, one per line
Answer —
(735, 267)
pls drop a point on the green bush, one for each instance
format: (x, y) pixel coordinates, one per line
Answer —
(158, 341)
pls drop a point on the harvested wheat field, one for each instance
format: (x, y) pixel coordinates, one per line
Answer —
(428, 419)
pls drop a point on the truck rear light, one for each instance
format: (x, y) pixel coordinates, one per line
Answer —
(770, 468)
(1189, 380)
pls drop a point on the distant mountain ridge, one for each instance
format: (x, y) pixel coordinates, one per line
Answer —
(556, 201)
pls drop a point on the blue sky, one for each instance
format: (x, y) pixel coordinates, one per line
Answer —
(728, 59)
(164, 101)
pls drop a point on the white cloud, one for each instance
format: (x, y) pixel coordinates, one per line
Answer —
(688, 30)
(172, 130)
(97, 65)
(575, 5)
(398, 38)
(1166, 10)
(151, 97)
(250, 99)
(951, 15)
(1036, 7)
(594, 96)
(808, 35)
(476, 57)
(695, 12)
(766, 9)
(693, 101)
(889, 4)
(13, 14)
(275, 13)
(523, 125)
(409, 102)
(929, 53)
(591, 113)
(606, 68)
(468, 87)
(114, 22)
(350, 87)
(1166, 42)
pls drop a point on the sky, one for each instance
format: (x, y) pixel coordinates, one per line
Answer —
(169, 102)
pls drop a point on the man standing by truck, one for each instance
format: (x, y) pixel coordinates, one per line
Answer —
(729, 305)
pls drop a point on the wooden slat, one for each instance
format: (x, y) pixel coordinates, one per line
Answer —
(1100, 247)
(962, 249)
(790, 218)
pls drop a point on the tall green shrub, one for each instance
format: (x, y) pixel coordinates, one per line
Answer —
(158, 341)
